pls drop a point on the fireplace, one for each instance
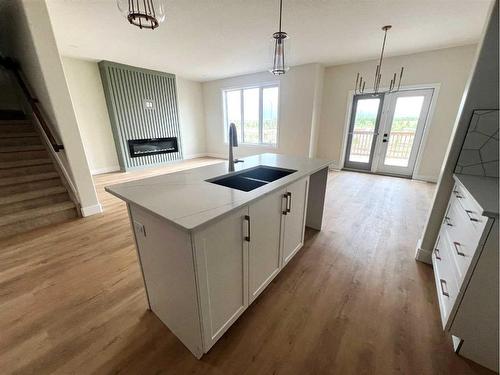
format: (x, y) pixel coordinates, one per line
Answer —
(152, 146)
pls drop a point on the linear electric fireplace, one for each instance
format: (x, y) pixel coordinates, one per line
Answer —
(152, 146)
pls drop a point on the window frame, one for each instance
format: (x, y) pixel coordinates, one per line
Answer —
(261, 87)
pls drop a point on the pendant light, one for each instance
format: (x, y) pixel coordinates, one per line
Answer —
(278, 48)
(147, 14)
(359, 87)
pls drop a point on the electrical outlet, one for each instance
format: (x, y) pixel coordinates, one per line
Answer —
(139, 228)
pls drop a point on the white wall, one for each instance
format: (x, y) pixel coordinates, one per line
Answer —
(33, 44)
(191, 117)
(449, 67)
(297, 106)
(87, 94)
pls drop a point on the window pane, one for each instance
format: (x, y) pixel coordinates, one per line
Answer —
(364, 127)
(251, 115)
(270, 115)
(233, 108)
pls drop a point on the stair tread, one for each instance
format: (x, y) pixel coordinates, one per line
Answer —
(27, 178)
(21, 148)
(36, 212)
(24, 163)
(32, 194)
(6, 209)
(19, 135)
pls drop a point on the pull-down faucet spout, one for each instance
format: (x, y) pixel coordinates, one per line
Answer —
(233, 142)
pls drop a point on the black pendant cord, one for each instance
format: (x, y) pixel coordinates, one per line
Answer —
(281, 11)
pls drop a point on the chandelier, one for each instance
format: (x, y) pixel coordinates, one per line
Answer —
(359, 88)
(147, 14)
(278, 40)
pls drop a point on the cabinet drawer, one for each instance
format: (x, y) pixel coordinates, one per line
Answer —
(444, 273)
(462, 239)
(470, 208)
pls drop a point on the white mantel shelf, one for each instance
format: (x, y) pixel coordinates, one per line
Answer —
(186, 200)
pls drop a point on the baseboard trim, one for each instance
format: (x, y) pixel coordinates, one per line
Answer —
(424, 178)
(423, 255)
(194, 156)
(114, 168)
(91, 210)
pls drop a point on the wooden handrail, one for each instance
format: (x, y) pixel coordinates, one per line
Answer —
(33, 102)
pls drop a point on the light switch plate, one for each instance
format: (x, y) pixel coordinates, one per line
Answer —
(139, 228)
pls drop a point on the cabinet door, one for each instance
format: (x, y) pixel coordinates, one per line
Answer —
(264, 246)
(294, 221)
(221, 264)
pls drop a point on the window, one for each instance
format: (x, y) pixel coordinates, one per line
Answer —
(254, 111)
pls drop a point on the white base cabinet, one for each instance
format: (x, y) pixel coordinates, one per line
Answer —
(225, 264)
(465, 261)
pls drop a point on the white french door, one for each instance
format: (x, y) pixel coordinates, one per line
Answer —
(386, 130)
(400, 132)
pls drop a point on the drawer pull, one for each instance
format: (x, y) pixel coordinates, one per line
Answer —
(247, 219)
(469, 212)
(447, 221)
(285, 211)
(436, 253)
(444, 288)
(457, 194)
(289, 202)
(457, 244)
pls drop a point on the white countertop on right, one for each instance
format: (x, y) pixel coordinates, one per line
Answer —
(483, 189)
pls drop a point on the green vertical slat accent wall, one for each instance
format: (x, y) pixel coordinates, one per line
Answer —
(125, 88)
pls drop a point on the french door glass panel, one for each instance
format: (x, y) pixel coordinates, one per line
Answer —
(403, 130)
(363, 131)
(402, 126)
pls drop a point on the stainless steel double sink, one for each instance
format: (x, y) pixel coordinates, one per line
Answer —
(251, 178)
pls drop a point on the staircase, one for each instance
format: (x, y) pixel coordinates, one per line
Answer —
(32, 193)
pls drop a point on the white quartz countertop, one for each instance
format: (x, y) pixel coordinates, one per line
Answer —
(186, 200)
(484, 190)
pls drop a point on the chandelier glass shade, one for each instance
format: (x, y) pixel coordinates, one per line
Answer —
(145, 14)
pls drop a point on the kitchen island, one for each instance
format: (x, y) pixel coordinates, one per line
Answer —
(209, 241)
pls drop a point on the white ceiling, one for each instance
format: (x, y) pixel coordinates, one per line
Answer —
(210, 39)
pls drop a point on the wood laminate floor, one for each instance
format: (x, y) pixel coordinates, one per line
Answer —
(352, 301)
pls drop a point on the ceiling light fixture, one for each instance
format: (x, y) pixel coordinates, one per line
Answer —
(359, 88)
(278, 41)
(147, 14)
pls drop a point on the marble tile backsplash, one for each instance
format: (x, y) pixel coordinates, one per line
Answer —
(479, 155)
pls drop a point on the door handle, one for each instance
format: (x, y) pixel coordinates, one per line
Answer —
(285, 211)
(247, 219)
(289, 202)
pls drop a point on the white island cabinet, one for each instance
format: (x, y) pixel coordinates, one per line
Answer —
(207, 251)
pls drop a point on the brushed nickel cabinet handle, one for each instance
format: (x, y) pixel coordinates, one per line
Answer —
(285, 211)
(447, 221)
(437, 254)
(289, 206)
(469, 212)
(443, 285)
(247, 219)
(457, 244)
